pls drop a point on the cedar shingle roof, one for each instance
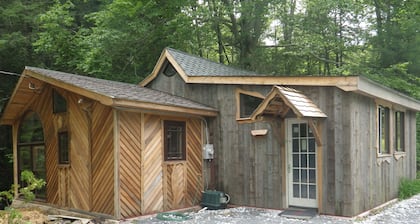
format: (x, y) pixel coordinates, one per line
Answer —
(120, 90)
(196, 66)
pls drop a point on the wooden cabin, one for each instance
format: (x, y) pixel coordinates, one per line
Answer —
(338, 144)
(107, 147)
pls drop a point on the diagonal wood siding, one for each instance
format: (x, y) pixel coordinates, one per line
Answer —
(129, 172)
(79, 190)
(194, 162)
(43, 106)
(102, 159)
(183, 180)
(152, 165)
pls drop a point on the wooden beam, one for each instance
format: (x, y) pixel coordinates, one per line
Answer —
(117, 205)
(15, 132)
(159, 107)
(320, 167)
(315, 131)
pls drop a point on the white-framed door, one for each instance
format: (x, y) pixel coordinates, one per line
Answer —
(301, 164)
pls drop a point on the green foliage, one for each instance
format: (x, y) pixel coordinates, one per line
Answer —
(31, 183)
(409, 188)
(15, 216)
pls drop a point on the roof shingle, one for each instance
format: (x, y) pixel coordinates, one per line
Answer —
(196, 66)
(120, 90)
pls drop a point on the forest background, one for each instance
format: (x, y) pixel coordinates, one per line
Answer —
(122, 40)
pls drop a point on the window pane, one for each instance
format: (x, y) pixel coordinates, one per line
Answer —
(59, 103)
(248, 104)
(31, 129)
(295, 145)
(295, 160)
(296, 177)
(383, 128)
(296, 192)
(304, 173)
(311, 160)
(25, 158)
(312, 191)
(312, 176)
(311, 145)
(304, 191)
(295, 130)
(174, 140)
(399, 131)
(63, 148)
(303, 145)
(303, 130)
(303, 161)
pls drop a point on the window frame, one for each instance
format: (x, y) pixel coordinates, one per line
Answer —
(383, 125)
(167, 124)
(63, 136)
(239, 102)
(399, 135)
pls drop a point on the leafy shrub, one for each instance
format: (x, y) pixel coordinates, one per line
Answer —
(32, 183)
(409, 188)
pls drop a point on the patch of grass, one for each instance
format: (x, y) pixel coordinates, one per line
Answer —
(409, 188)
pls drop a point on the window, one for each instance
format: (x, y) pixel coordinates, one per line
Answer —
(31, 149)
(383, 130)
(248, 102)
(59, 103)
(63, 148)
(175, 138)
(169, 70)
(399, 131)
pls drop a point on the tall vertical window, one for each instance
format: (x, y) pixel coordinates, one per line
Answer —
(59, 103)
(63, 148)
(175, 138)
(383, 130)
(31, 149)
(399, 131)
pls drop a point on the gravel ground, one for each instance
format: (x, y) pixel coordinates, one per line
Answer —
(406, 211)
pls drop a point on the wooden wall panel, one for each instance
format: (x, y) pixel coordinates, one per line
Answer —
(152, 157)
(80, 158)
(102, 159)
(130, 161)
(174, 181)
(42, 104)
(63, 186)
(194, 178)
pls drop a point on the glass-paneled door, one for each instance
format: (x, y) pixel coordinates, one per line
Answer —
(301, 164)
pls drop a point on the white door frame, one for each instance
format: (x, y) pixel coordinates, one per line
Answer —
(309, 199)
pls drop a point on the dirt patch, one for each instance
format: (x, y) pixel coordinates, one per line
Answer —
(24, 215)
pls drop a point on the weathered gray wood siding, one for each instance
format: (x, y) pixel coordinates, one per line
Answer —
(355, 178)
(249, 169)
(252, 169)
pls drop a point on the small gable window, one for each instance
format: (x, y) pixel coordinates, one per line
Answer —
(399, 131)
(247, 103)
(383, 130)
(63, 148)
(169, 70)
(59, 103)
(175, 140)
